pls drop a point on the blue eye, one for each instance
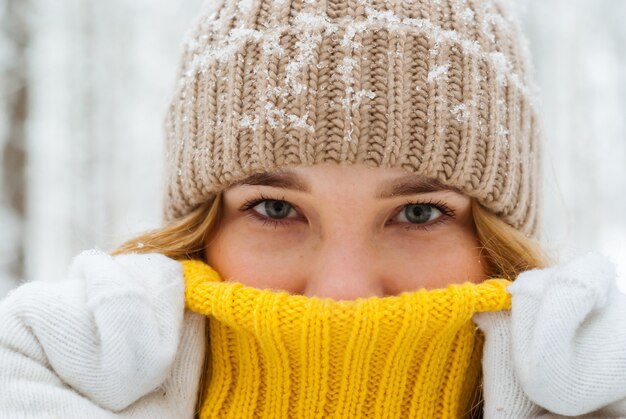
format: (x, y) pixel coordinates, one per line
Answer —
(414, 215)
(424, 215)
(274, 209)
(419, 213)
(275, 212)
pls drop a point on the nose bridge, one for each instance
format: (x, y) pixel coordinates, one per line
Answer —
(344, 268)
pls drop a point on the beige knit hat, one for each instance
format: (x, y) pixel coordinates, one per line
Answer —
(439, 88)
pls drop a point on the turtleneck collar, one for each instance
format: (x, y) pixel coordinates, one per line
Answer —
(276, 355)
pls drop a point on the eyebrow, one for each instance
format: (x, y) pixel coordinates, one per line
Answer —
(405, 186)
(281, 180)
(411, 185)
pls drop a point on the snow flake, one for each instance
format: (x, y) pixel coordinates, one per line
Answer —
(247, 122)
(270, 114)
(487, 23)
(277, 91)
(322, 64)
(471, 47)
(370, 94)
(461, 111)
(241, 34)
(416, 23)
(245, 6)
(346, 68)
(352, 102)
(291, 78)
(314, 21)
(387, 17)
(271, 44)
(348, 37)
(501, 65)
(437, 72)
(305, 47)
(467, 15)
(300, 122)
(502, 134)
(276, 118)
(398, 53)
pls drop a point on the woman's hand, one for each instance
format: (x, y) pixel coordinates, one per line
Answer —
(111, 341)
(562, 348)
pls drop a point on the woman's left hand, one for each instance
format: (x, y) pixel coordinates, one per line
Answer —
(562, 348)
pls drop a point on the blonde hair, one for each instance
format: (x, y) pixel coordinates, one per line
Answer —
(507, 251)
(182, 239)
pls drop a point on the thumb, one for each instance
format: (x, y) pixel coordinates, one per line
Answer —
(176, 397)
(181, 386)
(503, 393)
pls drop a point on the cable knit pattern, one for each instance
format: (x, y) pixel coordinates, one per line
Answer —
(439, 88)
(416, 355)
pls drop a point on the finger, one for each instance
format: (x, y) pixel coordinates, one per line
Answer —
(183, 381)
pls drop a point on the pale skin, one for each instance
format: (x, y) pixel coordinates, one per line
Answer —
(345, 232)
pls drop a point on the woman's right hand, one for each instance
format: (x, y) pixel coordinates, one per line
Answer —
(113, 340)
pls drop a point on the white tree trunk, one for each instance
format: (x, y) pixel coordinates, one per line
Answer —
(14, 107)
(101, 73)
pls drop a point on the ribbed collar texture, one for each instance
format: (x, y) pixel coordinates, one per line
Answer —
(276, 355)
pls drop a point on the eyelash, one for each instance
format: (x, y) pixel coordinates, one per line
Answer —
(446, 211)
(446, 214)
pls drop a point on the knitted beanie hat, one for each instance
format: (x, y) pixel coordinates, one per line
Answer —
(440, 88)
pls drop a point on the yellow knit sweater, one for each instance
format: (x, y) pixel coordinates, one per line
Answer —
(276, 355)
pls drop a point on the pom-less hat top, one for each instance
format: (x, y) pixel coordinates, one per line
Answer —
(440, 88)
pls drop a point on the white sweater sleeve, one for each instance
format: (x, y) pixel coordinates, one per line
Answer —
(562, 348)
(113, 340)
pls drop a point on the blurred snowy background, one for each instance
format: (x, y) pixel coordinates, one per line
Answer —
(84, 86)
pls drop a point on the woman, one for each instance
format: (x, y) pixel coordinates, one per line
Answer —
(356, 173)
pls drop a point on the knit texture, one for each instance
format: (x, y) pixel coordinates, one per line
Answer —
(277, 355)
(440, 88)
(111, 341)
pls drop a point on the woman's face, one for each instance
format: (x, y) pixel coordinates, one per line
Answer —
(345, 232)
